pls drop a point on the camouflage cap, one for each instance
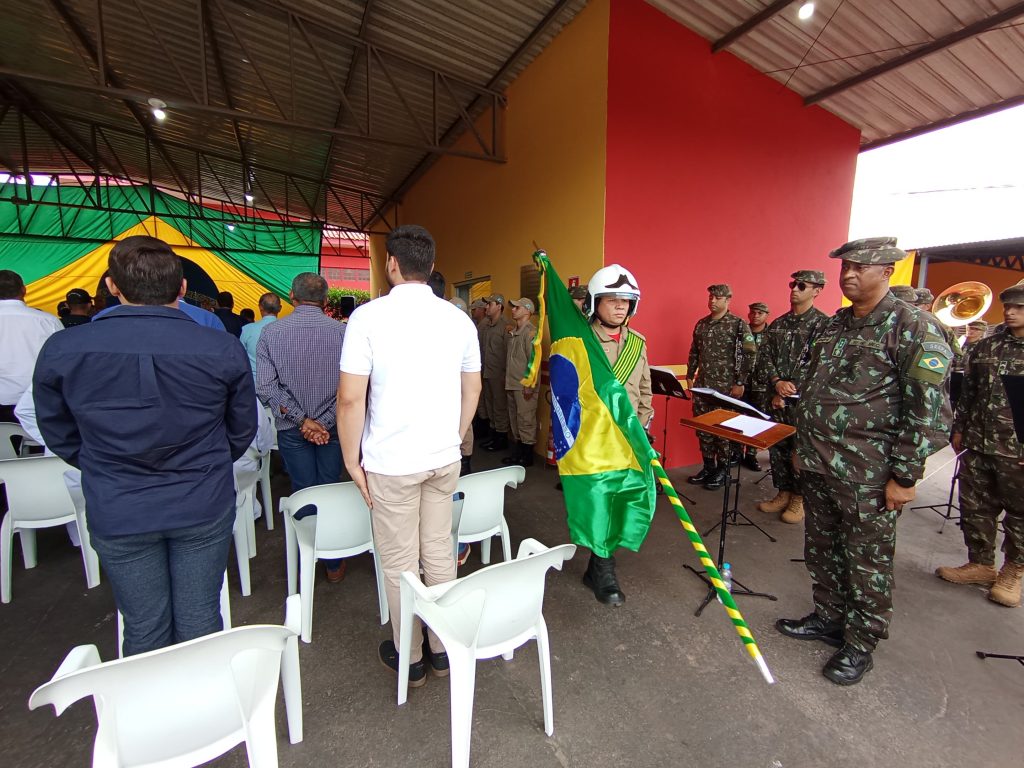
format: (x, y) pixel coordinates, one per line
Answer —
(523, 302)
(759, 306)
(923, 295)
(904, 293)
(810, 276)
(496, 297)
(579, 292)
(1013, 295)
(870, 250)
(478, 304)
(721, 290)
(978, 325)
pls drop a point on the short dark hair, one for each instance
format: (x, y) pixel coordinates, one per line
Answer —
(309, 286)
(437, 283)
(413, 249)
(247, 314)
(226, 300)
(269, 302)
(146, 270)
(11, 284)
(63, 310)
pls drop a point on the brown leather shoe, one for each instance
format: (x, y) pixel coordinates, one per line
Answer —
(335, 576)
(1006, 590)
(776, 505)
(968, 573)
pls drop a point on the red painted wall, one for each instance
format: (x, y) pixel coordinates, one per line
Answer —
(715, 173)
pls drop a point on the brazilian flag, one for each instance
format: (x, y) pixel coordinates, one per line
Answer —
(604, 456)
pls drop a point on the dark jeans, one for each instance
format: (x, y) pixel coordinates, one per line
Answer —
(308, 464)
(167, 583)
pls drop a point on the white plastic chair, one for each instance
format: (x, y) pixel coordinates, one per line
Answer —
(483, 509)
(489, 613)
(244, 531)
(189, 703)
(268, 497)
(340, 528)
(37, 497)
(8, 432)
(225, 616)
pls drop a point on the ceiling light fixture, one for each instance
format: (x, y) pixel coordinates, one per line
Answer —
(249, 197)
(158, 108)
(805, 12)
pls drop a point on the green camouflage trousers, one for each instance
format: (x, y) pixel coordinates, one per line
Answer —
(711, 447)
(784, 477)
(989, 485)
(849, 542)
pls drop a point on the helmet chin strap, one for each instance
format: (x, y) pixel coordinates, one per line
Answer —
(610, 327)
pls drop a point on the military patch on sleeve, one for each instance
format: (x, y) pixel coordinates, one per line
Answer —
(931, 363)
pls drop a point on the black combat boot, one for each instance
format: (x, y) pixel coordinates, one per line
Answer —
(812, 627)
(514, 455)
(848, 665)
(499, 443)
(600, 577)
(526, 456)
(701, 477)
(750, 460)
(735, 457)
(488, 439)
(716, 480)
(466, 469)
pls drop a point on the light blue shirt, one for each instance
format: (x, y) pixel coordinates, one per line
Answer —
(251, 336)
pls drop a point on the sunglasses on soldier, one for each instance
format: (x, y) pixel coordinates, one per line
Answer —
(799, 284)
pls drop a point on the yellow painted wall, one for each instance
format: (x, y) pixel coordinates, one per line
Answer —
(485, 216)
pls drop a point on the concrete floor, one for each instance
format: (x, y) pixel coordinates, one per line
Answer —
(645, 685)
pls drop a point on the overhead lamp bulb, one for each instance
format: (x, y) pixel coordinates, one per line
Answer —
(158, 108)
(805, 12)
(249, 197)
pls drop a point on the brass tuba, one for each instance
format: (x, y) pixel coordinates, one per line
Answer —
(962, 303)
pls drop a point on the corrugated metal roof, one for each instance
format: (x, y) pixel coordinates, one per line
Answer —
(409, 70)
(847, 37)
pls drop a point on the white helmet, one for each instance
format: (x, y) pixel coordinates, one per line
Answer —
(613, 280)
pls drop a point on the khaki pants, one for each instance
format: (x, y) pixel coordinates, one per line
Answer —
(496, 404)
(412, 526)
(522, 416)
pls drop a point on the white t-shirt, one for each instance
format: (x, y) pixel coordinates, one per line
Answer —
(22, 333)
(415, 348)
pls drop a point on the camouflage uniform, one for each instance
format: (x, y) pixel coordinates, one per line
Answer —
(722, 354)
(991, 479)
(756, 392)
(869, 410)
(782, 358)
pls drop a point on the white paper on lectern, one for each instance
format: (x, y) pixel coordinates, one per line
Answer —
(733, 400)
(748, 425)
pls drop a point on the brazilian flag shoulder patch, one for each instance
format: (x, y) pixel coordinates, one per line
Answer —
(931, 362)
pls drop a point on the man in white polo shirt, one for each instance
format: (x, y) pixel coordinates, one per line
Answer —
(419, 358)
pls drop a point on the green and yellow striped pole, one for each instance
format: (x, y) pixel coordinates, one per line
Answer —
(712, 572)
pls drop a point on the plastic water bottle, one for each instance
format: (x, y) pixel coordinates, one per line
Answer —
(726, 573)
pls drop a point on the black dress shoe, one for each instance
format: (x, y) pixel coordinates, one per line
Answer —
(751, 463)
(600, 577)
(812, 627)
(701, 477)
(499, 443)
(716, 480)
(847, 666)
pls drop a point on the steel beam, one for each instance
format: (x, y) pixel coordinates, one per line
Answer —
(750, 24)
(940, 44)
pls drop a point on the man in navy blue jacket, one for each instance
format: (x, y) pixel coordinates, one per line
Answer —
(153, 408)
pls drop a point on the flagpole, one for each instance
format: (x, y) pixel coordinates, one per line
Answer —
(712, 572)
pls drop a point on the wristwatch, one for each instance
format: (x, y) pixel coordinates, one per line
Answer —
(904, 482)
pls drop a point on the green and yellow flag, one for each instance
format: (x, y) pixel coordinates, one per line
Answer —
(604, 456)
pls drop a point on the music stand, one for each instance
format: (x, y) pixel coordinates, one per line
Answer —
(1014, 386)
(711, 423)
(665, 383)
(945, 511)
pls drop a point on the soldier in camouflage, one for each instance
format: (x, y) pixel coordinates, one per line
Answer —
(780, 361)
(757, 386)
(721, 358)
(975, 333)
(923, 299)
(868, 417)
(992, 465)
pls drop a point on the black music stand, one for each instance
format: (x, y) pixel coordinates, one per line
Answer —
(666, 384)
(945, 511)
(1014, 386)
(711, 423)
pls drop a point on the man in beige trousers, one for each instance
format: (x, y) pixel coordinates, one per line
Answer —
(418, 357)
